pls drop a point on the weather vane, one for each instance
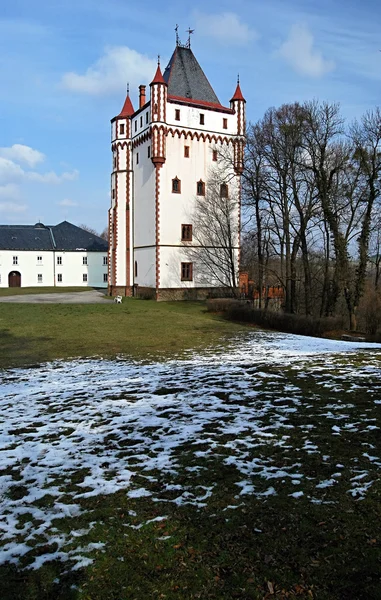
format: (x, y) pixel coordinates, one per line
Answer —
(177, 35)
(189, 31)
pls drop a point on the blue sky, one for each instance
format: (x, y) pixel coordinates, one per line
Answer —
(64, 65)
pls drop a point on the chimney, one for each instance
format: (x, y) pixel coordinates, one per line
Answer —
(142, 95)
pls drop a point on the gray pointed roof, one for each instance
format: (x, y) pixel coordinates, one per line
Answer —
(65, 236)
(186, 79)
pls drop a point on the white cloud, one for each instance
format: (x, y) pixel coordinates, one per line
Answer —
(23, 154)
(11, 207)
(10, 191)
(52, 177)
(111, 72)
(298, 50)
(67, 202)
(225, 27)
(12, 172)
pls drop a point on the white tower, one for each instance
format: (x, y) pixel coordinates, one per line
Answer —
(162, 157)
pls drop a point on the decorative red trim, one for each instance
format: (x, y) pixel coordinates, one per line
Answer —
(128, 233)
(157, 214)
(205, 137)
(200, 104)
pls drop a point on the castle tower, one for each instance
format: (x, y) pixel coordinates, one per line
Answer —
(120, 215)
(163, 157)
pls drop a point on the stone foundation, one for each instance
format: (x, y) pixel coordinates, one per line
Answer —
(169, 294)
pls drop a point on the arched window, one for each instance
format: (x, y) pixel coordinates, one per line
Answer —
(223, 190)
(200, 188)
(176, 186)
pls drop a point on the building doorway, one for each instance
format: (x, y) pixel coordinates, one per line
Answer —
(14, 279)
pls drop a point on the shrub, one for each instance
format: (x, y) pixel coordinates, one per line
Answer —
(237, 310)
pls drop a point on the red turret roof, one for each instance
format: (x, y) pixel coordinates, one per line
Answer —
(158, 77)
(238, 94)
(128, 109)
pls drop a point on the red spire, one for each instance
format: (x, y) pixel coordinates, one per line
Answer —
(158, 76)
(127, 109)
(238, 94)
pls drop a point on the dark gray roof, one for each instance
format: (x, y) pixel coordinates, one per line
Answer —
(186, 79)
(64, 236)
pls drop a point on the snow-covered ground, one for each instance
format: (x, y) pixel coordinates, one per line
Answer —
(128, 425)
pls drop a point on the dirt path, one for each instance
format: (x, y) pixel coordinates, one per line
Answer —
(86, 297)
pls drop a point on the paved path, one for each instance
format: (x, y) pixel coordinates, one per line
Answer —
(87, 297)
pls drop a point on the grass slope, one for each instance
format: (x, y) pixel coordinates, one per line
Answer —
(33, 333)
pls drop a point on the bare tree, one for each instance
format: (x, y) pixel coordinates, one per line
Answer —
(215, 241)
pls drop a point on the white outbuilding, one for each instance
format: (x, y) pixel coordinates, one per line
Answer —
(163, 155)
(60, 255)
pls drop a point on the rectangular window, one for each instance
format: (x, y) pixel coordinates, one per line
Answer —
(84, 277)
(202, 121)
(84, 260)
(121, 129)
(149, 151)
(224, 193)
(177, 114)
(59, 277)
(136, 125)
(136, 268)
(186, 151)
(141, 121)
(59, 260)
(137, 158)
(186, 271)
(15, 260)
(224, 123)
(105, 260)
(146, 117)
(39, 260)
(176, 186)
(186, 233)
(113, 193)
(105, 278)
(214, 155)
(114, 162)
(200, 188)
(39, 278)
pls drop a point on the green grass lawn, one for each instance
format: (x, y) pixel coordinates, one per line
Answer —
(33, 333)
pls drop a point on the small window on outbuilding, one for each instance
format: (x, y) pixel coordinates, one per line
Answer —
(214, 155)
(84, 278)
(224, 123)
(202, 119)
(186, 151)
(176, 186)
(59, 277)
(177, 114)
(59, 260)
(105, 260)
(105, 278)
(39, 278)
(84, 260)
